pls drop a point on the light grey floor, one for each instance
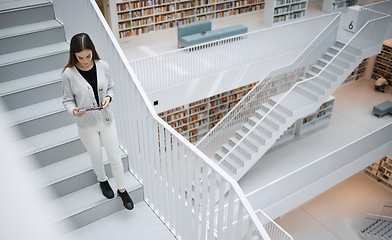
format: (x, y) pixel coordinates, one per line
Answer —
(338, 213)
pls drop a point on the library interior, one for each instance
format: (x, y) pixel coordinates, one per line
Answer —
(284, 105)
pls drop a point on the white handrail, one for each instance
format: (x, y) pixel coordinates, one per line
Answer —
(250, 97)
(154, 147)
(372, 17)
(185, 65)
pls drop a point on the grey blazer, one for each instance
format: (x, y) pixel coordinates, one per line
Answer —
(77, 92)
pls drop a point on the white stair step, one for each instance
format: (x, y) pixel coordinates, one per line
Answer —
(87, 198)
(67, 168)
(28, 28)
(243, 148)
(30, 82)
(34, 53)
(11, 5)
(34, 111)
(253, 136)
(140, 223)
(49, 139)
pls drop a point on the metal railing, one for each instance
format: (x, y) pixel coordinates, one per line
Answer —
(375, 227)
(182, 66)
(254, 99)
(369, 36)
(168, 166)
(387, 209)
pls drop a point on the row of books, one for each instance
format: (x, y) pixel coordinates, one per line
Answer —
(123, 16)
(184, 14)
(384, 62)
(382, 67)
(298, 7)
(164, 9)
(198, 102)
(387, 48)
(164, 26)
(386, 55)
(143, 13)
(174, 117)
(197, 124)
(135, 5)
(197, 109)
(245, 10)
(142, 22)
(122, 7)
(146, 13)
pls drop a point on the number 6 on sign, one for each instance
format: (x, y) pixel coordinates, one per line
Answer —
(351, 19)
(351, 26)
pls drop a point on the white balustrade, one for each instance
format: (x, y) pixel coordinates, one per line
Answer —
(369, 36)
(185, 65)
(254, 99)
(169, 167)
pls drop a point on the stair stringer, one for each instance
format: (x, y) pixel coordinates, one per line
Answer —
(307, 106)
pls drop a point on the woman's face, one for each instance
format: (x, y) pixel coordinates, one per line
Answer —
(84, 58)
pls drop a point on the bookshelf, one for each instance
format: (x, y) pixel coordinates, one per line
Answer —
(317, 119)
(195, 119)
(381, 171)
(280, 11)
(130, 18)
(334, 5)
(358, 72)
(383, 64)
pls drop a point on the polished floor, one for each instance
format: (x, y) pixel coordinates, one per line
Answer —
(338, 213)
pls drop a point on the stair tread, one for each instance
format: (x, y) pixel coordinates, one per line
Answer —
(67, 168)
(11, 58)
(28, 28)
(35, 110)
(49, 139)
(10, 5)
(86, 198)
(29, 82)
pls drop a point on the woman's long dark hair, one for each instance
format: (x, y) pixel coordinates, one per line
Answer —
(80, 42)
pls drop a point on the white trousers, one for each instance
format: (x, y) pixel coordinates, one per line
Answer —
(91, 138)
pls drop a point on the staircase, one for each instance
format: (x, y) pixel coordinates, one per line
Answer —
(263, 129)
(32, 55)
(378, 227)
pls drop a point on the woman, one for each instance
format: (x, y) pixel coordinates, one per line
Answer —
(87, 84)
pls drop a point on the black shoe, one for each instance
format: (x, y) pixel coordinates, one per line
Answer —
(127, 200)
(106, 189)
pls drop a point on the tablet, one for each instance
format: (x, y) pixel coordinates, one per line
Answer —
(89, 109)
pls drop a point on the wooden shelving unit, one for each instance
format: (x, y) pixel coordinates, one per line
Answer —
(381, 171)
(135, 17)
(335, 5)
(280, 11)
(383, 64)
